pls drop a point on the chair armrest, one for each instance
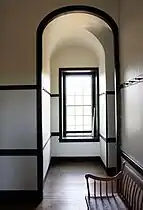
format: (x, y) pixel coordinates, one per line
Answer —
(99, 179)
(91, 176)
(118, 176)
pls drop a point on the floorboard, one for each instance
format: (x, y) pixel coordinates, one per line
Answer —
(65, 186)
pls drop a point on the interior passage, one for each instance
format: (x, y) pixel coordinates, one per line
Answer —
(65, 186)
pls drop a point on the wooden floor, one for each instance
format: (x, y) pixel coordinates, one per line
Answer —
(65, 186)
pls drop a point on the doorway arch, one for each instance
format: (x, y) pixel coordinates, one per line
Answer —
(113, 26)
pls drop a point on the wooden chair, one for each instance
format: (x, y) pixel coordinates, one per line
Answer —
(120, 192)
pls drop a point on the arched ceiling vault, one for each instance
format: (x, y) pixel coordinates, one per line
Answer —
(78, 29)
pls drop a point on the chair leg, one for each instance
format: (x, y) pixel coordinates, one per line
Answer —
(87, 203)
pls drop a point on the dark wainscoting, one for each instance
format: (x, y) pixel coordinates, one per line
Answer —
(108, 140)
(20, 196)
(127, 158)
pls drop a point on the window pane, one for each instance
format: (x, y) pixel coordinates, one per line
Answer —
(78, 91)
(70, 110)
(79, 128)
(70, 120)
(70, 100)
(78, 100)
(87, 87)
(70, 128)
(87, 91)
(87, 100)
(79, 110)
(87, 110)
(69, 86)
(87, 120)
(87, 127)
(70, 91)
(79, 120)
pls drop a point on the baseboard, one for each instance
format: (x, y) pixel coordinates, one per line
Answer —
(20, 196)
(55, 133)
(108, 140)
(110, 171)
(44, 180)
(73, 159)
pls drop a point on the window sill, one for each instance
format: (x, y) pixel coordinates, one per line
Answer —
(80, 139)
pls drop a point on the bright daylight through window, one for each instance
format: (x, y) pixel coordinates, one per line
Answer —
(78, 100)
(78, 104)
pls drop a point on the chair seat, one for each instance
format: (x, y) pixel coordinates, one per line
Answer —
(105, 203)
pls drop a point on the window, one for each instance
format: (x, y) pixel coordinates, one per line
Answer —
(77, 102)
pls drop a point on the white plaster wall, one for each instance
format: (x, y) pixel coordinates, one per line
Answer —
(18, 126)
(55, 114)
(19, 21)
(45, 62)
(103, 151)
(75, 56)
(131, 45)
(102, 114)
(70, 56)
(132, 122)
(46, 157)
(18, 173)
(107, 66)
(106, 83)
(46, 104)
(74, 149)
(46, 116)
(131, 52)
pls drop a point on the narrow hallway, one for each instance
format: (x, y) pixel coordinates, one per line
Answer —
(65, 186)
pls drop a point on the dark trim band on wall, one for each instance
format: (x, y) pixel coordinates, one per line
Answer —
(101, 94)
(73, 139)
(55, 95)
(55, 133)
(134, 164)
(134, 81)
(108, 140)
(51, 94)
(80, 69)
(78, 132)
(62, 159)
(18, 152)
(46, 142)
(46, 91)
(78, 139)
(108, 92)
(18, 87)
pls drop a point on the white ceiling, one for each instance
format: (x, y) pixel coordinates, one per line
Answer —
(74, 29)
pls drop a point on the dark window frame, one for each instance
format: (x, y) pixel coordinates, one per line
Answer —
(93, 71)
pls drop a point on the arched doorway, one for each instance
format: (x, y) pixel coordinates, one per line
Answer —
(111, 23)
